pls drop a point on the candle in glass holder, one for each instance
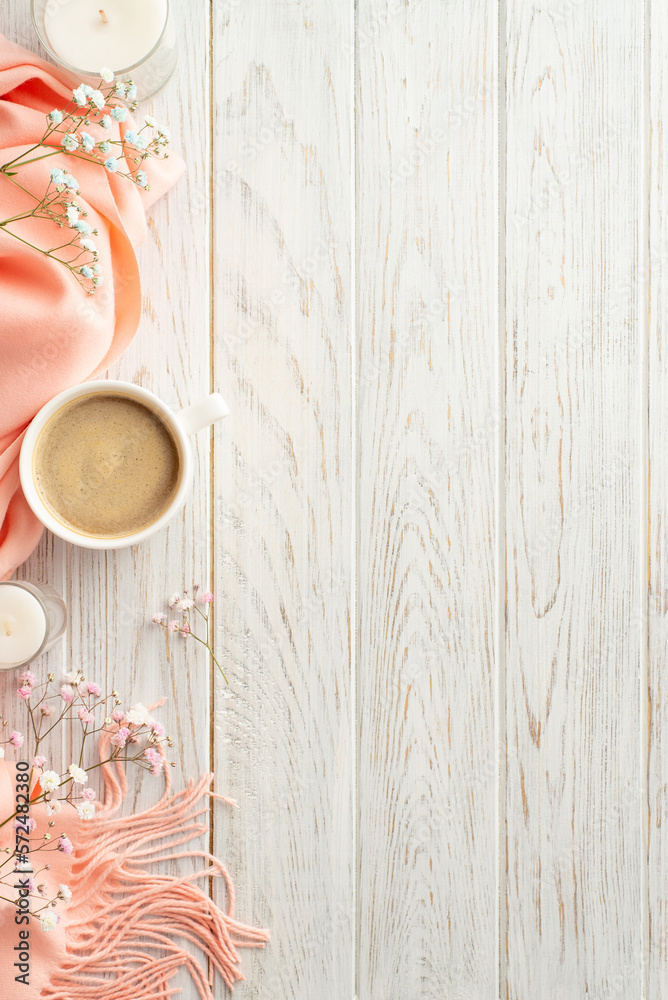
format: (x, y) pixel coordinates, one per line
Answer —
(32, 619)
(133, 40)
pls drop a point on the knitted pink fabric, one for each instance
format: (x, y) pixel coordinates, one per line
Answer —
(53, 335)
(124, 934)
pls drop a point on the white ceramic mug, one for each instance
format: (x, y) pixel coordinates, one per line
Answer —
(181, 424)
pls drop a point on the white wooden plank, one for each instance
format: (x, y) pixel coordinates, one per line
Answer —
(427, 428)
(657, 606)
(574, 540)
(283, 188)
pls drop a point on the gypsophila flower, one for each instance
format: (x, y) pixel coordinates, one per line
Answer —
(120, 89)
(16, 739)
(49, 781)
(118, 715)
(70, 142)
(151, 122)
(87, 142)
(55, 117)
(174, 600)
(119, 114)
(24, 692)
(72, 214)
(132, 93)
(97, 98)
(65, 892)
(77, 774)
(82, 227)
(111, 164)
(206, 597)
(185, 629)
(57, 176)
(83, 713)
(38, 761)
(86, 271)
(88, 245)
(71, 183)
(97, 280)
(53, 808)
(186, 604)
(48, 920)
(25, 823)
(28, 678)
(173, 626)
(86, 810)
(158, 619)
(105, 147)
(135, 139)
(47, 711)
(67, 693)
(72, 676)
(105, 121)
(121, 737)
(88, 794)
(80, 96)
(138, 715)
(107, 75)
(92, 688)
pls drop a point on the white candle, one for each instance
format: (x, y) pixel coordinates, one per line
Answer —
(22, 626)
(117, 34)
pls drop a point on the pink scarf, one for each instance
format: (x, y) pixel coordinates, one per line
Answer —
(123, 935)
(53, 335)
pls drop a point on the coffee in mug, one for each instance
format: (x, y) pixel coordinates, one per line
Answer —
(106, 465)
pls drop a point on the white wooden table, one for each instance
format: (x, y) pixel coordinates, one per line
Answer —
(422, 250)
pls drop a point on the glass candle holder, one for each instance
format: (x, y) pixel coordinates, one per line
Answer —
(33, 617)
(135, 41)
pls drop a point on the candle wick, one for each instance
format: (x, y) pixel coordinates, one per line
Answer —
(7, 628)
(105, 19)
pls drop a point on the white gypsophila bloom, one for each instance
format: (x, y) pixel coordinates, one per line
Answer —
(49, 781)
(107, 75)
(48, 920)
(86, 810)
(53, 807)
(77, 774)
(65, 892)
(138, 715)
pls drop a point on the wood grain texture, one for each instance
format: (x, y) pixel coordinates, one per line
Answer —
(657, 606)
(283, 484)
(427, 428)
(574, 541)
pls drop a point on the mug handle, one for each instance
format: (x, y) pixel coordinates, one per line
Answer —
(203, 414)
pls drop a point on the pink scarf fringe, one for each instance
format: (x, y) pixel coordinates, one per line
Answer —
(121, 933)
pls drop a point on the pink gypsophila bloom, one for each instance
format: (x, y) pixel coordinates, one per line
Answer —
(67, 693)
(88, 794)
(28, 679)
(25, 823)
(159, 619)
(118, 715)
(92, 688)
(121, 737)
(85, 715)
(16, 739)
(185, 629)
(206, 597)
(173, 626)
(24, 692)
(65, 845)
(38, 761)
(47, 711)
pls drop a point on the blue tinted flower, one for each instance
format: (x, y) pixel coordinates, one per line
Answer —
(58, 176)
(105, 147)
(121, 89)
(71, 183)
(132, 93)
(86, 271)
(82, 227)
(87, 142)
(111, 164)
(105, 122)
(55, 117)
(119, 114)
(141, 179)
(70, 142)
